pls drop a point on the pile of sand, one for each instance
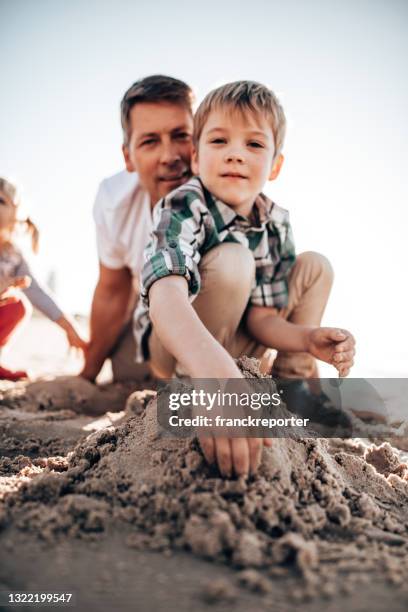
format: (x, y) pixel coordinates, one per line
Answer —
(332, 511)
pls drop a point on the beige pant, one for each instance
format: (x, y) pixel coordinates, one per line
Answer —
(227, 273)
(123, 355)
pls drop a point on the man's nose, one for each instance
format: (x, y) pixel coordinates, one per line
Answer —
(169, 153)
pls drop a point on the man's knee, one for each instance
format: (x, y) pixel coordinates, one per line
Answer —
(232, 267)
(316, 266)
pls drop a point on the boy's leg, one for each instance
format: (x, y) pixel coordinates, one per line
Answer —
(227, 273)
(310, 283)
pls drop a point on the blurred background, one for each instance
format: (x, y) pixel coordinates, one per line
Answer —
(340, 69)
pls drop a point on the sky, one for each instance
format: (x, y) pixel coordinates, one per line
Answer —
(340, 69)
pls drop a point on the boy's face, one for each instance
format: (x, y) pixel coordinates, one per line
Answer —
(235, 156)
(159, 147)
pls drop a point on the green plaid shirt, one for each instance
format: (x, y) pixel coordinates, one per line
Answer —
(189, 222)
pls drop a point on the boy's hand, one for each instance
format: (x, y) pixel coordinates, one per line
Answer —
(239, 456)
(335, 346)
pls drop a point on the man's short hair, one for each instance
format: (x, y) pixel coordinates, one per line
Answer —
(155, 88)
(244, 96)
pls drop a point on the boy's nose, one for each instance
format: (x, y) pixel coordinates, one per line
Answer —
(234, 156)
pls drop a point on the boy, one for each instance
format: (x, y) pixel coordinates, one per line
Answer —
(220, 275)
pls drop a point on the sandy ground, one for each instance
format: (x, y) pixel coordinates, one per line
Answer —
(96, 501)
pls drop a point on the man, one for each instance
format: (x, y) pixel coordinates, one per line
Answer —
(157, 122)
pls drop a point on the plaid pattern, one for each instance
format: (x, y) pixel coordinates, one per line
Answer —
(189, 222)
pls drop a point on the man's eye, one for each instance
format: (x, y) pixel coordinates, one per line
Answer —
(2, 201)
(183, 136)
(148, 141)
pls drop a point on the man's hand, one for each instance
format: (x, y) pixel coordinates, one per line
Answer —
(239, 456)
(335, 346)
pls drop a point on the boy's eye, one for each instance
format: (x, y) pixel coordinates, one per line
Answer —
(2, 201)
(255, 144)
(217, 140)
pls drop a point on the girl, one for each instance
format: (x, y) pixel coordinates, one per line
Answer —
(16, 280)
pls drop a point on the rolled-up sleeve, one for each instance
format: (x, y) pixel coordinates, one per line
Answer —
(174, 248)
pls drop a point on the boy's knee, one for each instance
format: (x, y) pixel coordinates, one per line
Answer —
(316, 266)
(232, 266)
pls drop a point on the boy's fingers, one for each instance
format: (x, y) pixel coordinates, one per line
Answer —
(255, 451)
(346, 365)
(207, 446)
(267, 442)
(343, 357)
(347, 345)
(224, 455)
(336, 334)
(240, 456)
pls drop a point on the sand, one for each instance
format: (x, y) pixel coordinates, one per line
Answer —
(323, 520)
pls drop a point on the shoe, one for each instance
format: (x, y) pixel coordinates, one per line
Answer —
(6, 374)
(318, 408)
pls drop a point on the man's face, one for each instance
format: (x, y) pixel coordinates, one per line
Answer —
(235, 157)
(159, 148)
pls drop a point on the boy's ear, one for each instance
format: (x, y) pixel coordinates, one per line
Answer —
(194, 161)
(129, 165)
(276, 167)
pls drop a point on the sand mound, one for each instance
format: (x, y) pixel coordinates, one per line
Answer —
(320, 508)
(65, 393)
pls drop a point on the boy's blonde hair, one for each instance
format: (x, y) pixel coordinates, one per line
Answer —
(244, 96)
(11, 191)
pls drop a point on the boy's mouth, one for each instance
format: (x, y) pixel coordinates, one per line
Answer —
(233, 175)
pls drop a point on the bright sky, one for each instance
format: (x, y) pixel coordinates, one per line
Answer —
(340, 69)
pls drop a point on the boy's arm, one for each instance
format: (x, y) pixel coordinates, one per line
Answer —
(335, 346)
(184, 335)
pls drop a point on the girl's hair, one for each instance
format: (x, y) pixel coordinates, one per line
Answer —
(32, 229)
(11, 191)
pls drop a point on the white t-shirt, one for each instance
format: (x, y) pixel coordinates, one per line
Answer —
(123, 218)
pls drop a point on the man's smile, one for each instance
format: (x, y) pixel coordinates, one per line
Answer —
(171, 178)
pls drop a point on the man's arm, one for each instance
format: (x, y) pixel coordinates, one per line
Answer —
(333, 345)
(109, 305)
(184, 335)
